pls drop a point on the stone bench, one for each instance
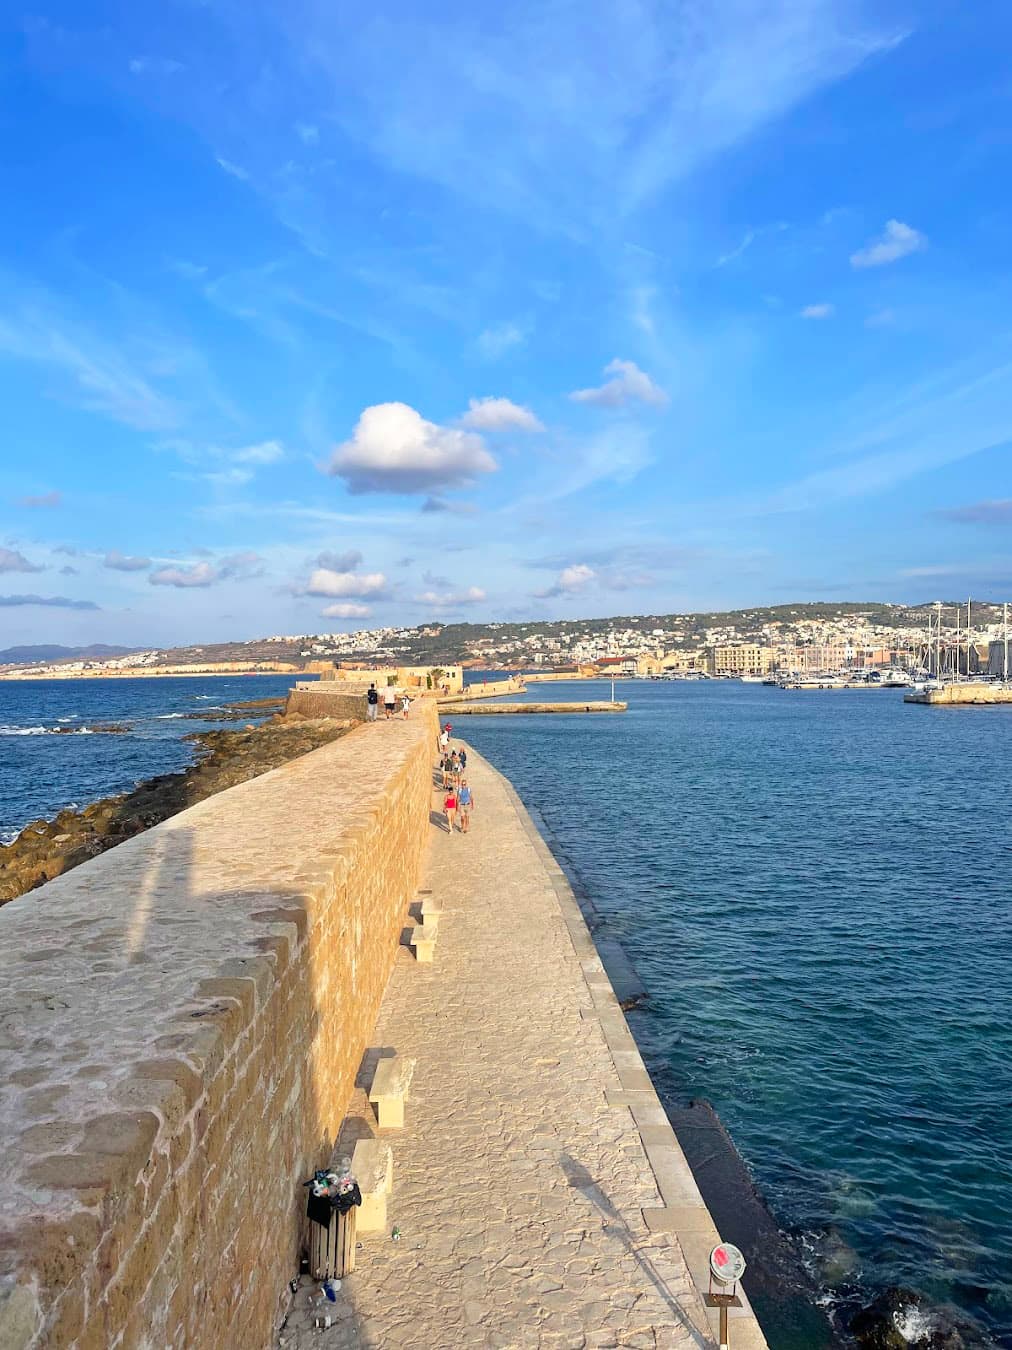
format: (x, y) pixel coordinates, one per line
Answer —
(423, 939)
(431, 913)
(390, 1089)
(372, 1166)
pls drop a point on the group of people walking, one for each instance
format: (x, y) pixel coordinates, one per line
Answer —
(458, 799)
(392, 702)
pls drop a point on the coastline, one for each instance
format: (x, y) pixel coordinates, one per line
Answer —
(47, 848)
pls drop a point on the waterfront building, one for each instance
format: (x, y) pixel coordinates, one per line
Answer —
(744, 658)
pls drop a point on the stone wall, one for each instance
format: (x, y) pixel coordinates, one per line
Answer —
(181, 1023)
(314, 701)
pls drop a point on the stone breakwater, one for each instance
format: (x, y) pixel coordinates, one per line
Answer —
(181, 1022)
(47, 848)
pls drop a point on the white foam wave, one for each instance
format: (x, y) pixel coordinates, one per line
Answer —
(166, 717)
(914, 1324)
(25, 731)
(72, 718)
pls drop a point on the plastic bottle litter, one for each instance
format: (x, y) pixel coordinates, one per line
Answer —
(332, 1288)
(396, 1234)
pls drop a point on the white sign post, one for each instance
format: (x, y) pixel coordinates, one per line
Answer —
(727, 1266)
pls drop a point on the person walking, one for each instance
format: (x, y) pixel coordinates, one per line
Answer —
(405, 705)
(444, 739)
(450, 806)
(465, 805)
(372, 699)
(462, 759)
(389, 700)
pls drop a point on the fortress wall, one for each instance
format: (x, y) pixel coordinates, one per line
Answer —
(181, 1023)
(327, 702)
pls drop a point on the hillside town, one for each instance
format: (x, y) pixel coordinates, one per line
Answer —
(786, 640)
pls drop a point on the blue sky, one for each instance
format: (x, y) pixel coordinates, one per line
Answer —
(317, 316)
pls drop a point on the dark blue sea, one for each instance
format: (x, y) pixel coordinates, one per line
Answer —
(41, 772)
(815, 889)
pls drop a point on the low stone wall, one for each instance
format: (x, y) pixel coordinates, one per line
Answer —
(330, 702)
(964, 693)
(181, 1022)
(488, 689)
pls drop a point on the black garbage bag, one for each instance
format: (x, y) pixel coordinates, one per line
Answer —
(345, 1200)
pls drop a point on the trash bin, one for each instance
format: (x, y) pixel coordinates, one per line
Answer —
(332, 1209)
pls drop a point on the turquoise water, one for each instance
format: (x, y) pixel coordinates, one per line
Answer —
(814, 887)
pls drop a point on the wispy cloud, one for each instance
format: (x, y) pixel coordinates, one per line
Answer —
(53, 601)
(627, 384)
(121, 562)
(496, 341)
(43, 501)
(896, 241)
(13, 561)
(820, 311)
(995, 512)
(473, 595)
(346, 609)
(234, 170)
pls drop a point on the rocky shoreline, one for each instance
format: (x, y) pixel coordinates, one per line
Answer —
(47, 848)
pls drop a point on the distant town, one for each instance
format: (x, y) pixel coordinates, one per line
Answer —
(794, 639)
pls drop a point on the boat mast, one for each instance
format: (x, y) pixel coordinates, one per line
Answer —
(1005, 625)
(968, 637)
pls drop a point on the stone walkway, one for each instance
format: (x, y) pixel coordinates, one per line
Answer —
(521, 1177)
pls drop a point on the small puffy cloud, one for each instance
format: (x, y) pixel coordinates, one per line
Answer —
(499, 414)
(184, 578)
(570, 580)
(13, 561)
(121, 562)
(41, 502)
(267, 452)
(821, 311)
(54, 601)
(998, 511)
(394, 449)
(628, 384)
(347, 609)
(339, 562)
(451, 599)
(497, 340)
(324, 581)
(307, 134)
(235, 170)
(895, 242)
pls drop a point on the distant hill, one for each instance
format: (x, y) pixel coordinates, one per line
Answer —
(22, 656)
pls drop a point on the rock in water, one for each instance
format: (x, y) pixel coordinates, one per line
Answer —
(901, 1318)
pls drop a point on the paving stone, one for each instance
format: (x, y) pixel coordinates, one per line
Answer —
(519, 1190)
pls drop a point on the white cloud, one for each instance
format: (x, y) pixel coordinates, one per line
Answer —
(13, 561)
(307, 133)
(496, 341)
(183, 578)
(42, 501)
(451, 599)
(570, 580)
(394, 449)
(895, 242)
(348, 609)
(628, 382)
(228, 477)
(267, 452)
(497, 414)
(822, 311)
(324, 581)
(121, 562)
(236, 170)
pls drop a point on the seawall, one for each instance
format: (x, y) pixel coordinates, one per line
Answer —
(181, 1022)
(319, 700)
(955, 695)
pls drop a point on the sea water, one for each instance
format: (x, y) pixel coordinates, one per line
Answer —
(815, 889)
(41, 772)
